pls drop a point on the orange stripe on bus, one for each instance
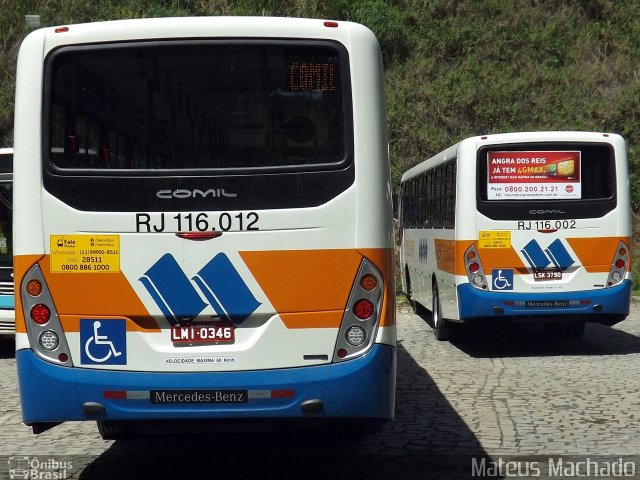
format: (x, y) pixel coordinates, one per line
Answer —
(86, 294)
(493, 258)
(317, 281)
(445, 255)
(596, 254)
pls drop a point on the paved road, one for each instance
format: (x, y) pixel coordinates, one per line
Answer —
(503, 395)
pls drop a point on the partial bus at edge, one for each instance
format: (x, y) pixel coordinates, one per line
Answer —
(203, 225)
(7, 303)
(532, 226)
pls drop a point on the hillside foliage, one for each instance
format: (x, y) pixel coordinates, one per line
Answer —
(454, 68)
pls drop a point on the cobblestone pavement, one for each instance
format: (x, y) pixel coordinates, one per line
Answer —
(499, 393)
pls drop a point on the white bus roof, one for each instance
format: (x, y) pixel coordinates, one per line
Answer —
(202, 27)
(512, 137)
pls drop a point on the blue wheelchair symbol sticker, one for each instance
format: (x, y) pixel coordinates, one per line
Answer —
(502, 279)
(103, 342)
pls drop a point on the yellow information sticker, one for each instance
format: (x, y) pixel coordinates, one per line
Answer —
(494, 239)
(85, 253)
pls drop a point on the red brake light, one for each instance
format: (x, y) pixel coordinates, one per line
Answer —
(474, 267)
(40, 314)
(619, 263)
(198, 236)
(331, 24)
(115, 394)
(363, 309)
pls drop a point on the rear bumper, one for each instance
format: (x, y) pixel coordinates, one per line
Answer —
(363, 387)
(607, 301)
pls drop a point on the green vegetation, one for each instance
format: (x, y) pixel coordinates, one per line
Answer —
(454, 68)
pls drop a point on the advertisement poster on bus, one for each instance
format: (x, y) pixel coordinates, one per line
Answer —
(533, 175)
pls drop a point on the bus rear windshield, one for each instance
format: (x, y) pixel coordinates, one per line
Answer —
(198, 105)
(578, 176)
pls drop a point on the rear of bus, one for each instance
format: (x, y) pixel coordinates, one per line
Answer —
(203, 224)
(551, 236)
(7, 317)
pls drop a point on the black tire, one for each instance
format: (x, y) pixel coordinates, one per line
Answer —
(114, 430)
(441, 326)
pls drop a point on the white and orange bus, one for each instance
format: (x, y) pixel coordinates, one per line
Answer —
(520, 226)
(203, 223)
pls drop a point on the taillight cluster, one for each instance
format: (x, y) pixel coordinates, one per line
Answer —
(46, 336)
(619, 265)
(473, 267)
(360, 320)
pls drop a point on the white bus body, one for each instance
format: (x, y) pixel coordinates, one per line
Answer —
(206, 204)
(521, 226)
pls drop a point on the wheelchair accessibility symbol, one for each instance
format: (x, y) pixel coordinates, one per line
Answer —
(502, 279)
(103, 342)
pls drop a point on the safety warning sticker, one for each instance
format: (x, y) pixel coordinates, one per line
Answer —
(85, 253)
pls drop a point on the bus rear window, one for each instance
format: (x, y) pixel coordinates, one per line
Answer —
(579, 176)
(555, 173)
(199, 105)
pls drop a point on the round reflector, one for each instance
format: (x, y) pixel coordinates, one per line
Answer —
(34, 288)
(40, 314)
(49, 340)
(363, 309)
(356, 335)
(368, 282)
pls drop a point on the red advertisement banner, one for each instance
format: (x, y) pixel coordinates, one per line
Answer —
(534, 167)
(521, 175)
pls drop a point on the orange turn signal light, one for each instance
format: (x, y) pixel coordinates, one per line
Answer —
(368, 282)
(34, 288)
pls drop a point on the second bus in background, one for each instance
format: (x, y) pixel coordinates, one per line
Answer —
(528, 226)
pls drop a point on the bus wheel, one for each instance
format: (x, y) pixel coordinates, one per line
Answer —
(114, 430)
(442, 328)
